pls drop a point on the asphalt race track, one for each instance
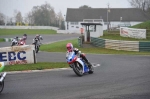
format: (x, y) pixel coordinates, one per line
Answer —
(117, 77)
(46, 38)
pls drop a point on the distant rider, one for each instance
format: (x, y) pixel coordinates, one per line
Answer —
(23, 40)
(16, 38)
(38, 38)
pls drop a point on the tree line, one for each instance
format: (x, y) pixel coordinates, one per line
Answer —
(43, 15)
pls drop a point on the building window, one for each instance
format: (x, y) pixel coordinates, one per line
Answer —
(105, 23)
(77, 27)
(74, 23)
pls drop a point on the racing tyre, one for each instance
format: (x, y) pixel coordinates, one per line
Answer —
(37, 49)
(13, 44)
(77, 68)
(1, 86)
(91, 68)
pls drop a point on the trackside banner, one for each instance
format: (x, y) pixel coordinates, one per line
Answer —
(133, 33)
(17, 55)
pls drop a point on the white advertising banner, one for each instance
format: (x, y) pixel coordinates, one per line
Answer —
(17, 55)
(133, 33)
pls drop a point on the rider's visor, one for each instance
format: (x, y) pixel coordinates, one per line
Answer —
(69, 48)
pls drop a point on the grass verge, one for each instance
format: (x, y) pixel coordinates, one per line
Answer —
(27, 31)
(2, 40)
(144, 25)
(61, 47)
(37, 66)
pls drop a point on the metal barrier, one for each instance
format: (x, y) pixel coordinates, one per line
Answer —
(121, 45)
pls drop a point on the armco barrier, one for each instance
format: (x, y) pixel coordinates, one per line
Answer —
(144, 46)
(121, 45)
(17, 55)
(98, 42)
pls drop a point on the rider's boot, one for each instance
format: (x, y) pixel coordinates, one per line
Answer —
(88, 63)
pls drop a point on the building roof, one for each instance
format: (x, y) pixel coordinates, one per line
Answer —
(127, 14)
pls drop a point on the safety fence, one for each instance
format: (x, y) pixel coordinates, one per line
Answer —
(29, 27)
(121, 45)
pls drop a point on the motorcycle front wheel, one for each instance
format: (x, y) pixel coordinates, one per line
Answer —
(1, 86)
(78, 69)
(36, 48)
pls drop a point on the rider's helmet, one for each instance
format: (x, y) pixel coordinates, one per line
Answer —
(37, 36)
(69, 47)
(24, 36)
(16, 38)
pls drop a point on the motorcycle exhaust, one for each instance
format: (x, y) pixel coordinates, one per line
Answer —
(3, 77)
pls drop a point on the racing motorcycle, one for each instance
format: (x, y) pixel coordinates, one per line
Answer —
(2, 77)
(78, 65)
(14, 42)
(37, 45)
(21, 42)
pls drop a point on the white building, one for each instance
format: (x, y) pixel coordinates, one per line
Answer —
(116, 17)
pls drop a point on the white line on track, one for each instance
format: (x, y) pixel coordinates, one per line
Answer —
(46, 70)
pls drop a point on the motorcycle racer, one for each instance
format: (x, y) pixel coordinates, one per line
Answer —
(38, 38)
(70, 48)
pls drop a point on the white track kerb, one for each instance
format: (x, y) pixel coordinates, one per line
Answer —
(47, 70)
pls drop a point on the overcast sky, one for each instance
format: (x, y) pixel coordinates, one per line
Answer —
(7, 7)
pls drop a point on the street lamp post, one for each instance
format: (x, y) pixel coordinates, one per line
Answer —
(120, 20)
(107, 20)
(108, 10)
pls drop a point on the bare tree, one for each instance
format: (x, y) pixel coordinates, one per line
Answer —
(18, 17)
(60, 19)
(29, 19)
(142, 4)
(44, 14)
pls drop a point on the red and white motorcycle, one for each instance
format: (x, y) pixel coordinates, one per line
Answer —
(21, 42)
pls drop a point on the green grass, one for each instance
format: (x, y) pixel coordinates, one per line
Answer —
(144, 25)
(37, 66)
(2, 40)
(116, 36)
(61, 47)
(27, 31)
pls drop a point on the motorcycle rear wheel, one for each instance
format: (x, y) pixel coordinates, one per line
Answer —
(91, 69)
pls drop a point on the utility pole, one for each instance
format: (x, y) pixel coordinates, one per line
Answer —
(108, 10)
